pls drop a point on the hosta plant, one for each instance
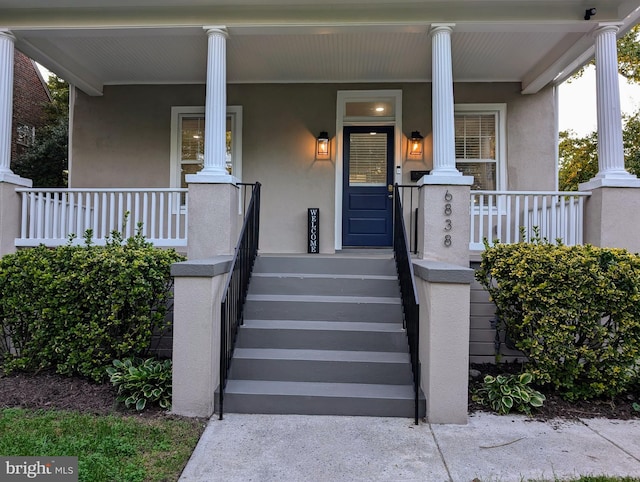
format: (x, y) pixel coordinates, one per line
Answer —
(142, 382)
(504, 393)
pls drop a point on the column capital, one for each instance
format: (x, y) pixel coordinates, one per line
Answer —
(219, 30)
(4, 33)
(441, 27)
(604, 27)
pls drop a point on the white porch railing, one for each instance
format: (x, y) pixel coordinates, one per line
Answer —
(503, 215)
(50, 216)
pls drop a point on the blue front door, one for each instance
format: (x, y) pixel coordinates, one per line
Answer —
(367, 201)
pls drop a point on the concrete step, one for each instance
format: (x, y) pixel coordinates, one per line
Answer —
(323, 308)
(314, 398)
(335, 265)
(324, 284)
(391, 368)
(322, 335)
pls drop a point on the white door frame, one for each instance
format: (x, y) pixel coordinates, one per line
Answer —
(344, 96)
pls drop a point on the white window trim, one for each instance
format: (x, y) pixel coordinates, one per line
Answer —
(501, 134)
(344, 96)
(234, 111)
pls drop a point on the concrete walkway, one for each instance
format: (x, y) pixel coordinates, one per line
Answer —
(289, 448)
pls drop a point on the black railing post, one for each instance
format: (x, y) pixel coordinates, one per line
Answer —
(410, 305)
(235, 292)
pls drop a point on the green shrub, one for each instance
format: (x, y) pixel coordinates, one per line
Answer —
(74, 309)
(573, 311)
(506, 392)
(142, 381)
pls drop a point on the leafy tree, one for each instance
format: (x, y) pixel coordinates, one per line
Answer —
(578, 159)
(579, 155)
(629, 55)
(46, 161)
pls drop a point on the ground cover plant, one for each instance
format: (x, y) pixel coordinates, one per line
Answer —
(108, 447)
(574, 312)
(74, 309)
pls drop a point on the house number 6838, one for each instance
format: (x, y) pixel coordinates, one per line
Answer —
(448, 225)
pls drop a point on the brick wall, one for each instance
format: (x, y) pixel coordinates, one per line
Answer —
(29, 96)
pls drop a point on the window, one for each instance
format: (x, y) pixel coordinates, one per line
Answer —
(187, 142)
(479, 141)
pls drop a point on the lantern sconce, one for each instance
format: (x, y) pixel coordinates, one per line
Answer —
(416, 142)
(322, 146)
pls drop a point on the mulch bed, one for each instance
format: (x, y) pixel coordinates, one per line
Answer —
(51, 391)
(620, 407)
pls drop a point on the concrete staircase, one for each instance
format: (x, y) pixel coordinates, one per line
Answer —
(322, 335)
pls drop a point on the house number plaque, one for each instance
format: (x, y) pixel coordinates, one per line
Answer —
(448, 225)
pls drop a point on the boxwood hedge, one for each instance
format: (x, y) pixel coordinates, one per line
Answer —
(74, 309)
(573, 311)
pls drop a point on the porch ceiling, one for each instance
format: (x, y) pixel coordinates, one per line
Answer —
(534, 42)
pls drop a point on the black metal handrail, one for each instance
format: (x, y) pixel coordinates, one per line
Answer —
(409, 294)
(235, 293)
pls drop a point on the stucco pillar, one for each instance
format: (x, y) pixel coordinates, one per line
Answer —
(444, 292)
(611, 170)
(606, 218)
(444, 155)
(198, 289)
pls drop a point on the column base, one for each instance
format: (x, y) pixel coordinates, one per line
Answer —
(207, 178)
(613, 181)
(441, 180)
(12, 178)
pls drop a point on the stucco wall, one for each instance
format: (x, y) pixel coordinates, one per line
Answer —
(123, 139)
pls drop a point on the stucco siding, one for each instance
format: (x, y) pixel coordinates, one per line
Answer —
(123, 139)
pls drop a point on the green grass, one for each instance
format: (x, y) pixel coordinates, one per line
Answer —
(109, 448)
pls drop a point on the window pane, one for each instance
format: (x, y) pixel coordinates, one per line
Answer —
(368, 159)
(475, 136)
(192, 139)
(484, 174)
(188, 168)
(229, 140)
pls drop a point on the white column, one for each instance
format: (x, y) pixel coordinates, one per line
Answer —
(444, 155)
(611, 170)
(215, 146)
(7, 41)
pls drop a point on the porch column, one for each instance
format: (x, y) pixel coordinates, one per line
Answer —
(7, 41)
(444, 155)
(611, 170)
(215, 146)
(606, 221)
(213, 193)
(9, 199)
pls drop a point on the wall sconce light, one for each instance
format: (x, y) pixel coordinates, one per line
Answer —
(416, 142)
(322, 146)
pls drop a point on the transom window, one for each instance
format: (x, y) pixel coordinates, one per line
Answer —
(479, 145)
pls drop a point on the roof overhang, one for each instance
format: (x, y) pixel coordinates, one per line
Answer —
(93, 43)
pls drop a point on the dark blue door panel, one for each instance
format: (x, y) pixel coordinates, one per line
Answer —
(367, 217)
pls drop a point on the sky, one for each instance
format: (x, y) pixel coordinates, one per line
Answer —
(577, 102)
